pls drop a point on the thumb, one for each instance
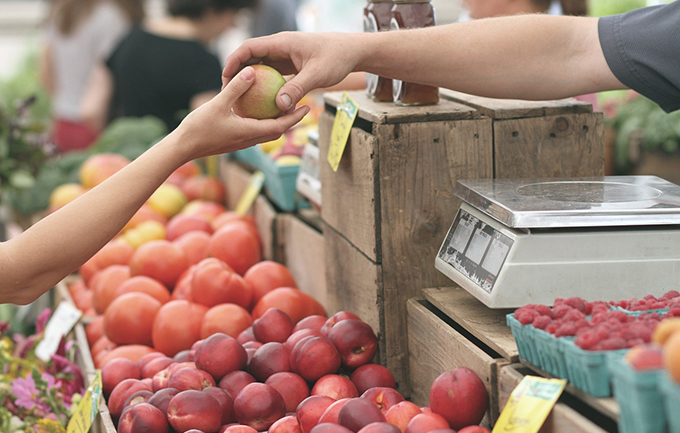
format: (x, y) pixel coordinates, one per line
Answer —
(237, 86)
(294, 90)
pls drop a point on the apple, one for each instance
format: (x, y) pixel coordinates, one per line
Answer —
(194, 409)
(287, 424)
(335, 386)
(259, 405)
(292, 387)
(226, 403)
(383, 398)
(161, 398)
(355, 340)
(314, 322)
(310, 410)
(380, 427)
(330, 415)
(401, 413)
(459, 395)
(143, 417)
(219, 355)
(188, 378)
(358, 413)
(259, 101)
(117, 370)
(314, 357)
(235, 381)
(335, 318)
(273, 326)
(426, 422)
(269, 359)
(371, 376)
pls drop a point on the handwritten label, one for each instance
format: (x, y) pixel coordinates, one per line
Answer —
(88, 407)
(62, 321)
(251, 192)
(529, 405)
(342, 126)
(308, 182)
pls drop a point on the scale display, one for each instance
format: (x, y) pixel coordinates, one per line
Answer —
(475, 249)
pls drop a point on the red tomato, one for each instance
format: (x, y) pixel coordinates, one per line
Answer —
(267, 276)
(235, 245)
(177, 326)
(129, 318)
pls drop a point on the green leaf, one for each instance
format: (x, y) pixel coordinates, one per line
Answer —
(21, 179)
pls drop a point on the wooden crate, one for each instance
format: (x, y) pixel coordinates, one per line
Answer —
(437, 344)
(568, 416)
(302, 246)
(392, 199)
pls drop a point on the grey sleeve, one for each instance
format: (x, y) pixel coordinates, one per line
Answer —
(273, 16)
(642, 48)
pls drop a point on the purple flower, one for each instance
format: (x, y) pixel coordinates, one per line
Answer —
(26, 394)
(41, 320)
(4, 326)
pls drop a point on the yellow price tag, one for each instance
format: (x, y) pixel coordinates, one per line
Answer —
(87, 409)
(529, 405)
(342, 126)
(251, 192)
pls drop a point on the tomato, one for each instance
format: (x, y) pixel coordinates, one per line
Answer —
(214, 283)
(267, 276)
(105, 283)
(194, 244)
(161, 260)
(133, 352)
(144, 284)
(94, 330)
(177, 326)
(293, 302)
(129, 318)
(235, 245)
(230, 319)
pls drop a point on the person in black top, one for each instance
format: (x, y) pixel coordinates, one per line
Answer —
(536, 57)
(164, 67)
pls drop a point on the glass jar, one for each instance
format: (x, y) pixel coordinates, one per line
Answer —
(412, 14)
(377, 17)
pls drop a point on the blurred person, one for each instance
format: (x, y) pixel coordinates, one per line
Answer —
(38, 258)
(165, 67)
(77, 35)
(274, 16)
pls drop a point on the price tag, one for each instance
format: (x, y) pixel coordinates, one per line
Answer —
(529, 405)
(250, 194)
(62, 321)
(342, 126)
(308, 182)
(87, 409)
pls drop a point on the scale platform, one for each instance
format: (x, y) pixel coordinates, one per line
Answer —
(520, 241)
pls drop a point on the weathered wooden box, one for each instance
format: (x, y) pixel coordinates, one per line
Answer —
(388, 207)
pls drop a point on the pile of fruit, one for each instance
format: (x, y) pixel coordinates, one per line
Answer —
(193, 331)
(663, 352)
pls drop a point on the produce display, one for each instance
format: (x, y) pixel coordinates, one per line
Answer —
(193, 331)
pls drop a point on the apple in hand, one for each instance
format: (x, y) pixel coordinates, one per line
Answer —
(259, 101)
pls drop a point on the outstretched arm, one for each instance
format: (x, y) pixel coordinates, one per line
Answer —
(36, 260)
(525, 56)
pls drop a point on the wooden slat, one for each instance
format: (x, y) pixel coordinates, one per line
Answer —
(388, 112)
(516, 108)
(562, 419)
(354, 283)
(235, 178)
(484, 323)
(569, 145)
(266, 220)
(352, 190)
(435, 347)
(419, 166)
(303, 254)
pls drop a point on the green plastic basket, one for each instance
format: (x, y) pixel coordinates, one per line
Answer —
(670, 391)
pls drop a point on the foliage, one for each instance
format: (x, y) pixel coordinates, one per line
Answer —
(639, 122)
(600, 8)
(36, 396)
(127, 136)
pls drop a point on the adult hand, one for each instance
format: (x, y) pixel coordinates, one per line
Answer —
(317, 59)
(213, 128)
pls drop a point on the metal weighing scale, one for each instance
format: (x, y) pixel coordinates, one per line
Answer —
(520, 241)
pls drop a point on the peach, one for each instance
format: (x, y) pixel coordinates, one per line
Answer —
(314, 357)
(188, 378)
(380, 427)
(120, 394)
(358, 413)
(259, 101)
(299, 335)
(246, 335)
(459, 395)
(143, 417)
(269, 359)
(117, 370)
(401, 413)
(292, 387)
(335, 386)
(335, 318)
(161, 398)
(194, 409)
(371, 376)
(259, 405)
(473, 429)
(309, 411)
(235, 381)
(238, 428)
(287, 424)
(273, 326)
(99, 167)
(355, 340)
(426, 422)
(645, 357)
(327, 427)
(219, 355)
(330, 415)
(384, 398)
(314, 322)
(226, 403)
(136, 398)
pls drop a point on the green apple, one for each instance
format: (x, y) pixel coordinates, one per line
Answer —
(259, 102)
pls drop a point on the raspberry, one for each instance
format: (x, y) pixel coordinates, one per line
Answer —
(574, 316)
(613, 343)
(578, 303)
(526, 316)
(552, 328)
(638, 330)
(587, 340)
(675, 312)
(566, 330)
(561, 310)
(671, 295)
(541, 322)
